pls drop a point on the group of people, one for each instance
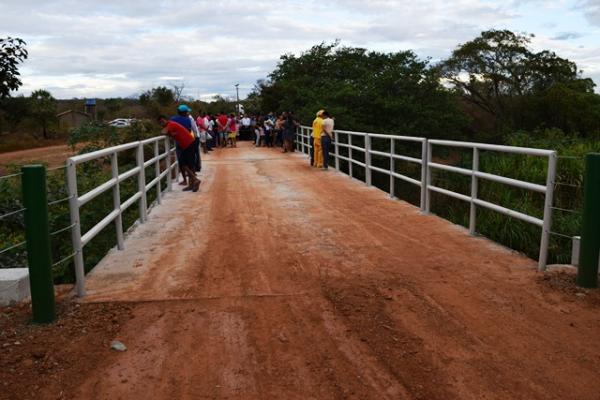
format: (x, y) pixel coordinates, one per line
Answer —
(222, 130)
(208, 132)
(272, 131)
(321, 139)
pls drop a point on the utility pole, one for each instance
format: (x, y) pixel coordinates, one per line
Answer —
(237, 96)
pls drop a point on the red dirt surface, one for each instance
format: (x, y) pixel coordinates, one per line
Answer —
(278, 281)
(53, 156)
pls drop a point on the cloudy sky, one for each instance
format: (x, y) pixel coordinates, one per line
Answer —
(120, 48)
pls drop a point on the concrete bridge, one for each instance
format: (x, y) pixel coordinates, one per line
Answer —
(280, 281)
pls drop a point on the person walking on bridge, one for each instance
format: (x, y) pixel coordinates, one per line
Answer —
(180, 131)
(326, 138)
(317, 127)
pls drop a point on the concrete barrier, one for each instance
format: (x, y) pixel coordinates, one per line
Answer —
(575, 251)
(14, 285)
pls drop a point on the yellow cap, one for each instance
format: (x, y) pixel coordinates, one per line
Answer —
(320, 112)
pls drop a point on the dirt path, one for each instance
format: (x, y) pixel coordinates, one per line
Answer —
(53, 156)
(282, 282)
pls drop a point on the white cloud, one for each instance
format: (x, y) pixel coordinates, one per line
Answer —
(117, 48)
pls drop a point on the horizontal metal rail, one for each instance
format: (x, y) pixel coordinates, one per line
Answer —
(493, 147)
(94, 155)
(491, 177)
(76, 201)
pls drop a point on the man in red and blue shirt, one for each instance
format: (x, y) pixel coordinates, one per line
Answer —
(179, 128)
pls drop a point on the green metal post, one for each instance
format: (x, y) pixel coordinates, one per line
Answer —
(38, 243)
(589, 251)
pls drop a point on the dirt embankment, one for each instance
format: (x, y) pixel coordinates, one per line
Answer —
(52, 156)
(278, 281)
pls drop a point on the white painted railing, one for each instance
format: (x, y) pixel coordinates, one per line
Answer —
(427, 166)
(76, 201)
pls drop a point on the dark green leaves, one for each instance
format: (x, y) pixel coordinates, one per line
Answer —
(12, 53)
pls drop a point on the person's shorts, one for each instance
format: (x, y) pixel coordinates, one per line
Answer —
(188, 156)
(232, 135)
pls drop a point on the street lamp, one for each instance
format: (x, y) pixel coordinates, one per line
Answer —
(237, 97)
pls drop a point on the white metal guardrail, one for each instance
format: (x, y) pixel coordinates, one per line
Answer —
(76, 201)
(427, 166)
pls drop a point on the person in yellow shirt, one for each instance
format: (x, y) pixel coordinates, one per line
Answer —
(316, 154)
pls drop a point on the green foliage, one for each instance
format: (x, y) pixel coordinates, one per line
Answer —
(13, 111)
(12, 53)
(113, 105)
(364, 90)
(219, 104)
(521, 89)
(43, 109)
(161, 95)
(98, 135)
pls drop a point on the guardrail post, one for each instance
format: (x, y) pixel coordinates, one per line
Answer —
(37, 234)
(589, 249)
(157, 172)
(474, 190)
(337, 151)
(548, 202)
(142, 182)
(350, 155)
(392, 167)
(367, 159)
(168, 163)
(307, 142)
(424, 183)
(76, 229)
(114, 163)
(304, 141)
(427, 167)
(176, 164)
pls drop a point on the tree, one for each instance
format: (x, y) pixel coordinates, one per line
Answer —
(500, 74)
(162, 95)
(12, 53)
(366, 90)
(113, 105)
(13, 111)
(43, 109)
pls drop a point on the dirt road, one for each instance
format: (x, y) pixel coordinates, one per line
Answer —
(278, 281)
(52, 156)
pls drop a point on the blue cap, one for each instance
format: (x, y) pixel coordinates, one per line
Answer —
(184, 108)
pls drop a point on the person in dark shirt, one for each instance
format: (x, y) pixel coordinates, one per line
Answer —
(289, 132)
